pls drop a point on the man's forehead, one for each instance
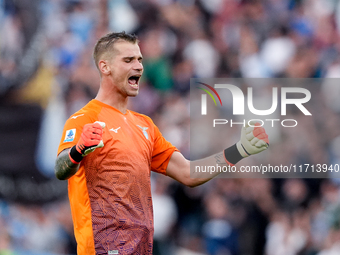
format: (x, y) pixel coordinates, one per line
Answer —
(126, 48)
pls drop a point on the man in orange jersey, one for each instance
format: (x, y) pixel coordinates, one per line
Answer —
(107, 153)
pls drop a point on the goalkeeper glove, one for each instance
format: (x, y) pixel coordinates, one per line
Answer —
(90, 139)
(253, 140)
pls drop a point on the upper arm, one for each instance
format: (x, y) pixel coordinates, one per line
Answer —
(162, 150)
(73, 129)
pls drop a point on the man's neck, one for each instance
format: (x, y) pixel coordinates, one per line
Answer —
(113, 99)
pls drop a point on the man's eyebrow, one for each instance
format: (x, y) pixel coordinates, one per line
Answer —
(132, 57)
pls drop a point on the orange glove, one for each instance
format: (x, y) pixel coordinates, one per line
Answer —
(90, 139)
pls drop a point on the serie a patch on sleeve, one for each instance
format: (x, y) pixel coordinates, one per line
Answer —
(70, 135)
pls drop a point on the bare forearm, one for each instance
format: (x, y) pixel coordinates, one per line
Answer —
(193, 173)
(64, 168)
(200, 177)
(183, 170)
(196, 172)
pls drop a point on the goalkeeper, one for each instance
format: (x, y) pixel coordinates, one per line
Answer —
(107, 152)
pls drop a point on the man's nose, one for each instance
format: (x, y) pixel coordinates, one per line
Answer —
(138, 66)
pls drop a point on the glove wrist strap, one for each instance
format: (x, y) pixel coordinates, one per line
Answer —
(75, 156)
(232, 155)
(244, 153)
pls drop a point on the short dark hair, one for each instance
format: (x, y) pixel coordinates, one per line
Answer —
(105, 43)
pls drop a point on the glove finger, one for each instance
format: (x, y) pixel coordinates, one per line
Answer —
(261, 143)
(86, 136)
(258, 130)
(90, 132)
(254, 141)
(253, 123)
(261, 149)
(102, 124)
(98, 131)
(96, 125)
(249, 130)
(249, 136)
(94, 136)
(260, 133)
(90, 139)
(262, 136)
(254, 126)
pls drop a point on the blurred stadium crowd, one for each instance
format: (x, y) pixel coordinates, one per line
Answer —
(45, 60)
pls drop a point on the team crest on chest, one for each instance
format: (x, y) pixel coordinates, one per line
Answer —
(144, 131)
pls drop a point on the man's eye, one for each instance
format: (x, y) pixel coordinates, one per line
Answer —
(127, 60)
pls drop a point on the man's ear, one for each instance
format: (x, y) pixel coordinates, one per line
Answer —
(104, 67)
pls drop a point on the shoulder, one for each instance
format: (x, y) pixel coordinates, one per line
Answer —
(91, 107)
(89, 113)
(142, 117)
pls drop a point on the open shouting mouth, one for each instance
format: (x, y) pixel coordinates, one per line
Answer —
(133, 81)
